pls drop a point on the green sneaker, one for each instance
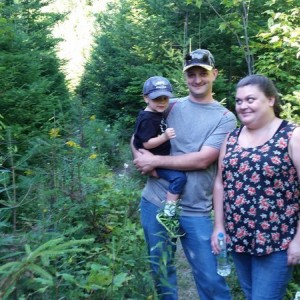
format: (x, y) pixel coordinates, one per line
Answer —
(171, 224)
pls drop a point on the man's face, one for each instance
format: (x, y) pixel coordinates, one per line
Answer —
(199, 82)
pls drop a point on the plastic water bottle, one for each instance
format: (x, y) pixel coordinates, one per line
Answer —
(297, 296)
(223, 265)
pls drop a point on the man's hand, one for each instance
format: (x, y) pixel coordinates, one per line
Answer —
(144, 161)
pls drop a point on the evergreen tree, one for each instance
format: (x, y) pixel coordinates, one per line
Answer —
(134, 44)
(32, 87)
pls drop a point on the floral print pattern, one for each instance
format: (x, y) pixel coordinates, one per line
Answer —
(261, 194)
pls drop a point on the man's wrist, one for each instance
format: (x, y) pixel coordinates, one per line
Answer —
(156, 161)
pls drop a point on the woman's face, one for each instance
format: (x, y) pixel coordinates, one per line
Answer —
(253, 106)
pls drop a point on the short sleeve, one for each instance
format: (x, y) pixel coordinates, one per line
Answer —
(227, 123)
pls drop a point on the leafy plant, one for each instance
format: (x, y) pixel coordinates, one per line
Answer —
(35, 265)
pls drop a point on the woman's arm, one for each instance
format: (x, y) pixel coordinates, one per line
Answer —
(294, 149)
(218, 199)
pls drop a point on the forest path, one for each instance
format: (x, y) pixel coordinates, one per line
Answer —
(186, 284)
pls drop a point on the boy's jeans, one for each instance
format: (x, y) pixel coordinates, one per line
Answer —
(176, 179)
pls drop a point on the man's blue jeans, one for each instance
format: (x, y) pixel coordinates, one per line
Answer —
(197, 248)
(263, 277)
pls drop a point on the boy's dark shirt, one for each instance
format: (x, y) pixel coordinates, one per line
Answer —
(149, 125)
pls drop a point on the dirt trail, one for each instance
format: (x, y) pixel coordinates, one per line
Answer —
(186, 284)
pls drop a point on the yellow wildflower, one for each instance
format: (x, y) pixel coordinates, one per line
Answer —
(72, 144)
(28, 172)
(93, 117)
(54, 133)
(93, 156)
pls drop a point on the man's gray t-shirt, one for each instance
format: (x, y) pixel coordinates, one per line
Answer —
(196, 125)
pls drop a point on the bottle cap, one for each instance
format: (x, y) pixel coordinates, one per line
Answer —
(220, 235)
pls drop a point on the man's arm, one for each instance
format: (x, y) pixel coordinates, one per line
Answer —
(202, 159)
(134, 151)
(185, 162)
(189, 161)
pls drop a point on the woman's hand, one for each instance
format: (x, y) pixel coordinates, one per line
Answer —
(214, 239)
(293, 252)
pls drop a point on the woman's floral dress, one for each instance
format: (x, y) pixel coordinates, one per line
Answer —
(261, 194)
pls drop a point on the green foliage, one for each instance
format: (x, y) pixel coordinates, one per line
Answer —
(291, 107)
(36, 264)
(32, 87)
(75, 193)
(2, 127)
(65, 164)
(279, 58)
(281, 48)
(115, 96)
(123, 59)
(294, 285)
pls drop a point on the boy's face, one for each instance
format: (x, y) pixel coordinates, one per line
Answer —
(159, 104)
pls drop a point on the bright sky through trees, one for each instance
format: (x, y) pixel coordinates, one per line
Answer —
(77, 33)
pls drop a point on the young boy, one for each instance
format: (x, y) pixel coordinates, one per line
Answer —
(152, 133)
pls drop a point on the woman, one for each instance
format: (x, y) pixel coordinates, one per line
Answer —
(256, 192)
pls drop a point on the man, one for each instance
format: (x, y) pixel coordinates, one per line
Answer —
(201, 124)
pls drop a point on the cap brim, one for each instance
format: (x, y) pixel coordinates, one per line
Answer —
(207, 67)
(159, 93)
